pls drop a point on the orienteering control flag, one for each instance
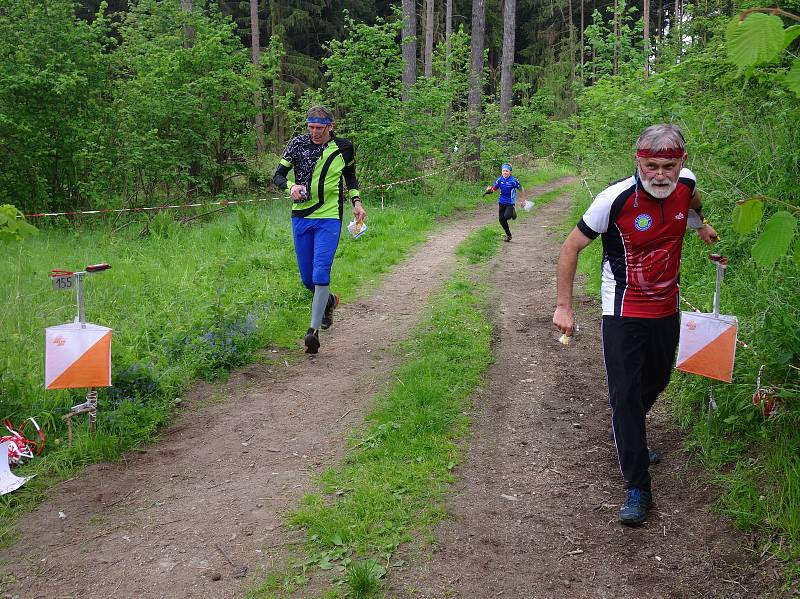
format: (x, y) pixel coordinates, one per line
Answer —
(707, 345)
(77, 356)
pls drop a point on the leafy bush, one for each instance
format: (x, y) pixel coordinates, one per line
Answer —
(12, 226)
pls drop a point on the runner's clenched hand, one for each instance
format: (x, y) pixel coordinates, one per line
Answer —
(298, 192)
(358, 211)
(707, 234)
(564, 319)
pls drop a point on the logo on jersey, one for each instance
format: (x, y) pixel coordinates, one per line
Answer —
(643, 222)
(679, 216)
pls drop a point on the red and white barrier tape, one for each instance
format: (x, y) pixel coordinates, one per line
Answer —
(395, 183)
(225, 203)
(426, 175)
(149, 208)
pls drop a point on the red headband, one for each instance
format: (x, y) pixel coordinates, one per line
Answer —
(665, 153)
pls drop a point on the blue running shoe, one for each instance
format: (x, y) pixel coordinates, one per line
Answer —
(636, 507)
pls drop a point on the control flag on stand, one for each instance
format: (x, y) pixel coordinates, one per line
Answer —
(707, 345)
(77, 356)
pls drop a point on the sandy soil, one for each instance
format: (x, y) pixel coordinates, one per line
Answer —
(533, 514)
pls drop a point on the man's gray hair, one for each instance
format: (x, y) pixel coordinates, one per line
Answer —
(661, 137)
(320, 112)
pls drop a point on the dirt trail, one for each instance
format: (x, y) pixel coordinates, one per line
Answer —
(534, 511)
(159, 523)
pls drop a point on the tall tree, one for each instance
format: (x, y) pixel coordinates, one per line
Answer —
(646, 17)
(409, 41)
(188, 30)
(428, 62)
(277, 28)
(189, 38)
(448, 31)
(448, 49)
(582, 42)
(255, 48)
(475, 84)
(616, 37)
(506, 69)
(571, 43)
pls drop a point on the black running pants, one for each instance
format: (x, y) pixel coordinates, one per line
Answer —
(639, 354)
(506, 213)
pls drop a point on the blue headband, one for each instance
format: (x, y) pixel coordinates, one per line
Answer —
(505, 167)
(319, 120)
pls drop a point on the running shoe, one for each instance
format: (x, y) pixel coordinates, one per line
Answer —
(637, 504)
(311, 341)
(327, 317)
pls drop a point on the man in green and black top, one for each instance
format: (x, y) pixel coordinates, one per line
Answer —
(323, 164)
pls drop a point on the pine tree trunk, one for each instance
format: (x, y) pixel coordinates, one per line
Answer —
(409, 41)
(571, 42)
(583, 79)
(448, 43)
(428, 62)
(616, 37)
(506, 69)
(659, 29)
(646, 17)
(594, 50)
(188, 31)
(189, 36)
(448, 31)
(475, 83)
(679, 41)
(277, 117)
(255, 47)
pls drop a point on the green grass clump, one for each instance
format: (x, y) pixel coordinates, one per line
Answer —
(479, 245)
(364, 579)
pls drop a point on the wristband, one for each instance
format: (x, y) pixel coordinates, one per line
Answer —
(699, 212)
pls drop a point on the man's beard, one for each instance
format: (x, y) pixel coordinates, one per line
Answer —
(658, 191)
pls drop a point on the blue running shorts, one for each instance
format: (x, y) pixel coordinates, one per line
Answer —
(315, 243)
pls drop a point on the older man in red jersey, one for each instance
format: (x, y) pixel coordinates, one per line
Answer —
(642, 221)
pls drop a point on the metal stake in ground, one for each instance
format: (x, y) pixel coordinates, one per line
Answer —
(720, 262)
(78, 354)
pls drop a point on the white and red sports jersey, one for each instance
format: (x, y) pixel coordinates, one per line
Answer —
(642, 241)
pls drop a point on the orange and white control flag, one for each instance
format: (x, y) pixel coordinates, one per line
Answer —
(707, 345)
(77, 357)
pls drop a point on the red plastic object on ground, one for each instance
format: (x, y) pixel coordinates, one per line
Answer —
(20, 447)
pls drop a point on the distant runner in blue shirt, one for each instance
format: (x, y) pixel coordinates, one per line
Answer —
(508, 187)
